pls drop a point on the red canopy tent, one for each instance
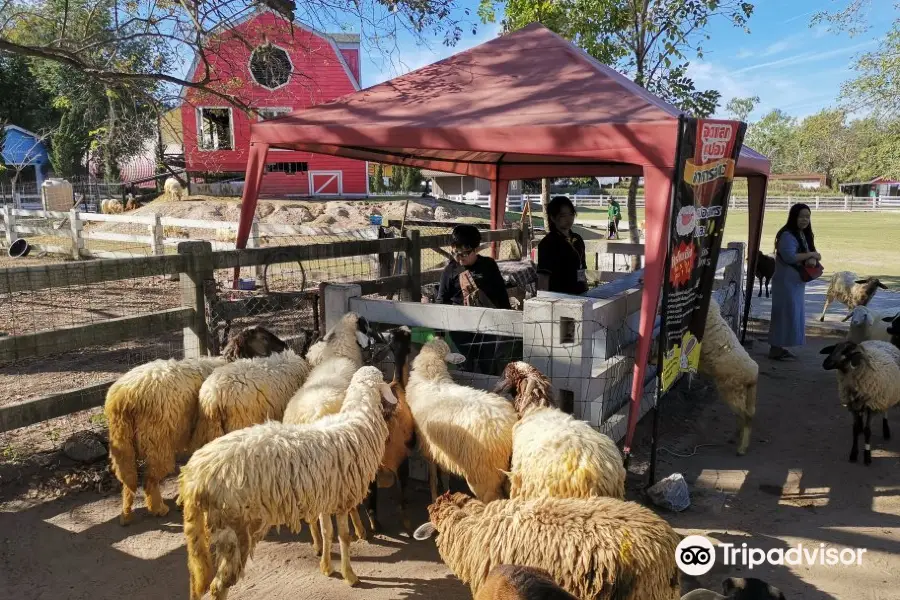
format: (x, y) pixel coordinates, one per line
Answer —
(522, 106)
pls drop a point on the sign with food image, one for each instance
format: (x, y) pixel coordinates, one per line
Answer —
(703, 176)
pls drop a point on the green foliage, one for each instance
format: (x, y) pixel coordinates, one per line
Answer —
(877, 85)
(378, 187)
(70, 143)
(773, 136)
(740, 108)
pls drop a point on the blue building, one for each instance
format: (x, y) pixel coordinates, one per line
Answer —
(25, 152)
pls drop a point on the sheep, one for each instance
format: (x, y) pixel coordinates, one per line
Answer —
(338, 358)
(739, 588)
(845, 287)
(595, 548)
(395, 461)
(724, 359)
(512, 582)
(553, 453)
(765, 269)
(465, 431)
(151, 411)
(865, 324)
(893, 328)
(173, 189)
(111, 206)
(868, 382)
(255, 341)
(247, 392)
(237, 487)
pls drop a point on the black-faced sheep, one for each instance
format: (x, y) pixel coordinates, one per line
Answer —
(868, 383)
(765, 269)
(847, 288)
(465, 431)
(240, 485)
(893, 328)
(724, 359)
(512, 582)
(739, 588)
(595, 548)
(554, 454)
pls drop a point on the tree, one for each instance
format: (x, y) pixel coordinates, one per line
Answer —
(66, 32)
(740, 108)
(649, 41)
(379, 188)
(773, 136)
(412, 179)
(823, 142)
(70, 143)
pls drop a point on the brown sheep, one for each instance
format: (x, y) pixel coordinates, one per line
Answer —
(847, 288)
(512, 582)
(251, 342)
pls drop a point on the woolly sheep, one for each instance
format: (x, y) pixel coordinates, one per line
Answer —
(465, 431)
(395, 461)
(512, 582)
(868, 382)
(865, 324)
(247, 392)
(724, 359)
(595, 548)
(239, 486)
(739, 588)
(554, 454)
(847, 288)
(111, 206)
(151, 411)
(173, 189)
(339, 357)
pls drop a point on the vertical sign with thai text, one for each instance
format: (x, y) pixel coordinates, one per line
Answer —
(704, 174)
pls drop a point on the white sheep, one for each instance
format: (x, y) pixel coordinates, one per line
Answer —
(554, 454)
(173, 189)
(151, 411)
(868, 383)
(724, 359)
(239, 486)
(246, 392)
(465, 431)
(111, 206)
(594, 548)
(866, 324)
(847, 288)
(337, 358)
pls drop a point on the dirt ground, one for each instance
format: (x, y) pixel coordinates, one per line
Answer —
(795, 485)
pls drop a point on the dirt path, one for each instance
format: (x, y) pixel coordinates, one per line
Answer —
(794, 485)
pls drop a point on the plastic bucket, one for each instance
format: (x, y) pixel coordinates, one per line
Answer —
(19, 248)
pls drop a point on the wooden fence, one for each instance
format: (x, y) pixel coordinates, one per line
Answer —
(196, 263)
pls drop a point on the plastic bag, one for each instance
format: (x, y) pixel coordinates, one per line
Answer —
(671, 493)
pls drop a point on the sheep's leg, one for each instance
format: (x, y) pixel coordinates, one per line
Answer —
(316, 534)
(767, 286)
(228, 554)
(127, 504)
(828, 300)
(857, 429)
(327, 533)
(372, 509)
(344, 537)
(358, 528)
(433, 480)
(867, 433)
(403, 482)
(759, 295)
(155, 504)
(745, 419)
(885, 429)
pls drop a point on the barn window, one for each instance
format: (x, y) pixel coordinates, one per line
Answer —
(288, 168)
(270, 66)
(215, 129)
(266, 114)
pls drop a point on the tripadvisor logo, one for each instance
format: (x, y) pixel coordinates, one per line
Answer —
(696, 555)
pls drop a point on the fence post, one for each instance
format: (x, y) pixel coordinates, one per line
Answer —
(75, 226)
(874, 202)
(817, 203)
(157, 236)
(735, 272)
(10, 217)
(846, 207)
(254, 242)
(414, 254)
(198, 269)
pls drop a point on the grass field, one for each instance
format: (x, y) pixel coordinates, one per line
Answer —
(867, 243)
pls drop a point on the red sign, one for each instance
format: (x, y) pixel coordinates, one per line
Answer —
(682, 264)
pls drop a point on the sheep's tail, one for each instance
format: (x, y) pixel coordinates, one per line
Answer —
(122, 451)
(200, 562)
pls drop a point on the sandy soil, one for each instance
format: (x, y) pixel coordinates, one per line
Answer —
(794, 485)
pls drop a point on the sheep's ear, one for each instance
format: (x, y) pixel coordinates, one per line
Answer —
(502, 386)
(424, 531)
(861, 281)
(387, 393)
(882, 286)
(454, 358)
(362, 339)
(827, 349)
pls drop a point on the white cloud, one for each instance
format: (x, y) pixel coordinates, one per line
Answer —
(806, 57)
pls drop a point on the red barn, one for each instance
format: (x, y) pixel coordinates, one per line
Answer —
(275, 67)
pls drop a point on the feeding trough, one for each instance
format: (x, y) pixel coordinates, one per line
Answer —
(19, 248)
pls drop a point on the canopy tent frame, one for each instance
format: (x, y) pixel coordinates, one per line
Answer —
(492, 120)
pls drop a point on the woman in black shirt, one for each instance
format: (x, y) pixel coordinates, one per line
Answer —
(561, 254)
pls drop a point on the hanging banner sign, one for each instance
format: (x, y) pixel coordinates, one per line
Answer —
(703, 177)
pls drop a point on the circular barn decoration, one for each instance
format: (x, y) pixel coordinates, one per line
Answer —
(270, 66)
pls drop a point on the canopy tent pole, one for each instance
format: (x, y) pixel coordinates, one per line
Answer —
(499, 190)
(256, 166)
(756, 192)
(658, 194)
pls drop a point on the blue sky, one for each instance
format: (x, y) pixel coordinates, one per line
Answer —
(782, 60)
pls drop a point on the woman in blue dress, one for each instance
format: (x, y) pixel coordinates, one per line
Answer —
(795, 247)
